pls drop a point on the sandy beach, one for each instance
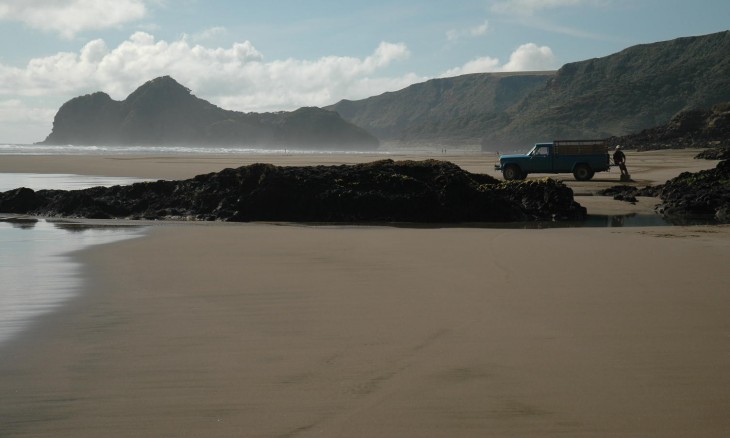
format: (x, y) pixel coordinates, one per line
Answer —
(283, 330)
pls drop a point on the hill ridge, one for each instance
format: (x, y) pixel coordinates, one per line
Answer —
(637, 88)
(163, 112)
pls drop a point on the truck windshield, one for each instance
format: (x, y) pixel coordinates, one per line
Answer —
(538, 151)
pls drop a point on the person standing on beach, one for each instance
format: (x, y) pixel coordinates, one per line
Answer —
(619, 158)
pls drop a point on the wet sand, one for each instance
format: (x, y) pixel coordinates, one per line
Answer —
(277, 330)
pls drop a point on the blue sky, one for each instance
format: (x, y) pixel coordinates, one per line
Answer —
(281, 55)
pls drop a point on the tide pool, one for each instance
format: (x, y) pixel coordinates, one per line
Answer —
(59, 181)
(37, 272)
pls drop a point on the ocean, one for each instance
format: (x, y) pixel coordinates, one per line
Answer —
(35, 149)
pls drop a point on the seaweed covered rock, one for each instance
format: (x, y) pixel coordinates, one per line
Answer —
(629, 193)
(382, 191)
(621, 193)
(704, 194)
(720, 153)
(541, 199)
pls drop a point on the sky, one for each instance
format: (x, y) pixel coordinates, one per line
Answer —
(279, 55)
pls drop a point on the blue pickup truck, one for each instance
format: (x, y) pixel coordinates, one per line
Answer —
(582, 158)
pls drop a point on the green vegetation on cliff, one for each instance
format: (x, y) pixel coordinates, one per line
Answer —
(638, 88)
(448, 110)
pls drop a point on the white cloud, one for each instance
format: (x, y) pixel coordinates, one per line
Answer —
(236, 77)
(531, 57)
(479, 65)
(527, 57)
(530, 7)
(455, 34)
(237, 73)
(68, 18)
(533, 13)
(209, 33)
(480, 30)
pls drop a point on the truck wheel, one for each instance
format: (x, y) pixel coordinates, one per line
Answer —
(583, 172)
(512, 172)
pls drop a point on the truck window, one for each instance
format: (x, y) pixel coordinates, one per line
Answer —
(540, 151)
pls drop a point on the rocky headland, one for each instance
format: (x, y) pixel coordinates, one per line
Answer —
(163, 112)
(429, 191)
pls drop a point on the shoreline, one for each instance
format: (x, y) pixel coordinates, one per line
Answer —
(647, 168)
(261, 329)
(652, 167)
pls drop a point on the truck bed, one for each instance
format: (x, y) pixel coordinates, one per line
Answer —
(579, 147)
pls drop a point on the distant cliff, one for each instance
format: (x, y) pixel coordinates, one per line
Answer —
(163, 112)
(447, 110)
(638, 88)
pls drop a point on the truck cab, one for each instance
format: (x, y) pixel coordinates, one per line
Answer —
(582, 158)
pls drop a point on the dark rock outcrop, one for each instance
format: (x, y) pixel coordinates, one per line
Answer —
(382, 191)
(720, 153)
(690, 197)
(621, 193)
(163, 112)
(700, 195)
(629, 193)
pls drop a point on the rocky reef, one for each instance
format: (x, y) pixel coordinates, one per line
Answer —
(629, 193)
(700, 196)
(717, 153)
(689, 197)
(382, 191)
(704, 194)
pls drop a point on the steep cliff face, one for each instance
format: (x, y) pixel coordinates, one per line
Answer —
(450, 110)
(86, 119)
(163, 112)
(635, 89)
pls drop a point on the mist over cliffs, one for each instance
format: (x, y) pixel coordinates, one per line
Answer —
(163, 112)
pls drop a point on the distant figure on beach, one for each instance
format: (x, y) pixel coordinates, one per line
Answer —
(620, 159)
